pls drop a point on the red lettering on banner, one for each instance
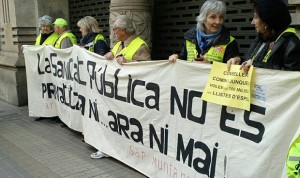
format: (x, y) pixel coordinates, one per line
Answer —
(168, 168)
(48, 105)
(134, 151)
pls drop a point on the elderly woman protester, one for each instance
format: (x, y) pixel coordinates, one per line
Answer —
(210, 40)
(92, 39)
(130, 47)
(47, 35)
(276, 45)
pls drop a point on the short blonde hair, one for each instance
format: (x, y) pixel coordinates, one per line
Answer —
(90, 24)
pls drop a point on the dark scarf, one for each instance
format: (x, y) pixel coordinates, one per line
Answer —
(88, 38)
(44, 37)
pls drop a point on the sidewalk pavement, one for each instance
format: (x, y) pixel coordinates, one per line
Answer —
(43, 148)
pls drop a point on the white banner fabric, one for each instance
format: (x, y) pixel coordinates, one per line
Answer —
(150, 116)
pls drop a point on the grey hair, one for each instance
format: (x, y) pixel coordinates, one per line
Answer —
(45, 20)
(89, 23)
(210, 6)
(123, 21)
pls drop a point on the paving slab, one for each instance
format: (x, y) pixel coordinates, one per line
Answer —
(30, 148)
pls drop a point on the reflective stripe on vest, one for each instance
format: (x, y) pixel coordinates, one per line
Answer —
(129, 50)
(97, 38)
(49, 41)
(67, 34)
(291, 30)
(215, 53)
(293, 159)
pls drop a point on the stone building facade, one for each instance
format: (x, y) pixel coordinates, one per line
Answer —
(161, 23)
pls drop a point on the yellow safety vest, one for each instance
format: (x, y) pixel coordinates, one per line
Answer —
(215, 53)
(289, 29)
(49, 41)
(293, 159)
(70, 35)
(97, 38)
(129, 50)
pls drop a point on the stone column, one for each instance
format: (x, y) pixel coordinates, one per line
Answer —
(140, 13)
(18, 26)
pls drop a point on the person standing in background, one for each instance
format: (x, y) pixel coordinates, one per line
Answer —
(92, 39)
(47, 35)
(66, 38)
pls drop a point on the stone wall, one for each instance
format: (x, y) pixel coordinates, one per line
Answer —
(18, 26)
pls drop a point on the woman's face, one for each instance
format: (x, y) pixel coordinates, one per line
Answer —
(213, 22)
(46, 29)
(83, 31)
(258, 24)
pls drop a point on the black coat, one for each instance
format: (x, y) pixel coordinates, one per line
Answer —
(285, 54)
(100, 47)
(231, 51)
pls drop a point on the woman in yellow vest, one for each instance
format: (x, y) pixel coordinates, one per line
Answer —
(66, 38)
(92, 39)
(129, 47)
(210, 40)
(47, 35)
(276, 45)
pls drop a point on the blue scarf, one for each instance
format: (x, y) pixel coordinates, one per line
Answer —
(204, 40)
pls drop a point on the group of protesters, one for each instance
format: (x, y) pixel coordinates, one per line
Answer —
(57, 34)
(129, 48)
(276, 45)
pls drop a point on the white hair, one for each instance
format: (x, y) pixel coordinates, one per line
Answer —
(123, 21)
(45, 20)
(210, 6)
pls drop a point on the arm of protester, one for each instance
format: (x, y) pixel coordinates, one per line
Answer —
(142, 54)
(66, 43)
(246, 65)
(120, 59)
(101, 48)
(109, 56)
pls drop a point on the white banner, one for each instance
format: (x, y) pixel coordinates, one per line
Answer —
(150, 116)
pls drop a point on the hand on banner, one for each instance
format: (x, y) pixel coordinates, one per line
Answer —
(173, 57)
(109, 56)
(120, 59)
(246, 65)
(233, 61)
